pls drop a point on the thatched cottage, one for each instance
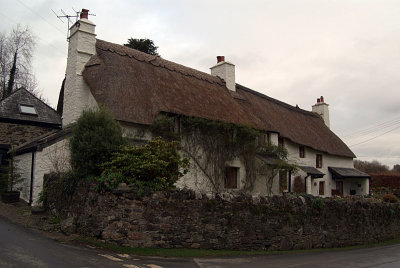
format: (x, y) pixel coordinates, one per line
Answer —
(139, 88)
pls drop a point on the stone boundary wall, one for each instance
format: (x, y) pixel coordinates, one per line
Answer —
(180, 219)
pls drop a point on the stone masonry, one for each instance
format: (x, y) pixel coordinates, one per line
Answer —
(179, 219)
(17, 134)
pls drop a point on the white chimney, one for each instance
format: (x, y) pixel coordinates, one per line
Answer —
(321, 108)
(82, 46)
(226, 71)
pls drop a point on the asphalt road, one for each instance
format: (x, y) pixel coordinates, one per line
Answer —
(21, 247)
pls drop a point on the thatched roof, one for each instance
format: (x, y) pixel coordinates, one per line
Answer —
(136, 87)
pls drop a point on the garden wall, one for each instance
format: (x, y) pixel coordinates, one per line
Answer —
(180, 219)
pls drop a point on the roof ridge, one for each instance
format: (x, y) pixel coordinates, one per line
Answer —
(12, 93)
(152, 59)
(284, 104)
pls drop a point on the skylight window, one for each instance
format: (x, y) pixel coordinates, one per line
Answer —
(27, 109)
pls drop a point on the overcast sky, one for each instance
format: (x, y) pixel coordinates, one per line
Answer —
(294, 51)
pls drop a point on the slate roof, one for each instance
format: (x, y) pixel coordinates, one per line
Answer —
(10, 110)
(349, 173)
(136, 87)
(312, 171)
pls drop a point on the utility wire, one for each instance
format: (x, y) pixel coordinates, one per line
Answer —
(372, 131)
(375, 127)
(375, 137)
(44, 41)
(40, 16)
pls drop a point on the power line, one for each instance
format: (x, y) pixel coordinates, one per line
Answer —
(44, 41)
(375, 137)
(380, 156)
(373, 128)
(40, 16)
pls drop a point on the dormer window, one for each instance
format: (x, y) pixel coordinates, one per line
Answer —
(27, 109)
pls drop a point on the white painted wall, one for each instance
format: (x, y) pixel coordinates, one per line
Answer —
(77, 95)
(226, 71)
(322, 109)
(23, 167)
(327, 161)
(136, 132)
(50, 159)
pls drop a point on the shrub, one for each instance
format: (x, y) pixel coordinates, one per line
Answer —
(390, 198)
(9, 176)
(318, 203)
(156, 165)
(95, 137)
(107, 181)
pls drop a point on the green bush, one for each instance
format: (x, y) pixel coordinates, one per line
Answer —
(9, 176)
(107, 181)
(95, 137)
(318, 203)
(156, 165)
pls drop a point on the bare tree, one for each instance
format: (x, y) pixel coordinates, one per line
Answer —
(16, 51)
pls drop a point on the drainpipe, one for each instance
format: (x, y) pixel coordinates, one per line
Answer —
(32, 176)
(290, 182)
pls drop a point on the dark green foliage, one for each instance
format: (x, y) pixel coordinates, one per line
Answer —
(9, 176)
(164, 127)
(69, 182)
(94, 138)
(318, 203)
(107, 181)
(143, 44)
(156, 165)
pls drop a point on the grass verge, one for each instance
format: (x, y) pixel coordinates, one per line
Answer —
(185, 252)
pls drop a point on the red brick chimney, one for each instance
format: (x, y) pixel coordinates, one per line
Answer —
(220, 59)
(84, 14)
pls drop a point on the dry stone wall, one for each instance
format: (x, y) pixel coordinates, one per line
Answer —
(180, 219)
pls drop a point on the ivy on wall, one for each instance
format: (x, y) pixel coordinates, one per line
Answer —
(212, 144)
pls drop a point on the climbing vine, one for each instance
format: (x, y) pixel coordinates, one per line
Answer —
(211, 144)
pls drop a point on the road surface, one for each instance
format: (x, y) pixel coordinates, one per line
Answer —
(22, 247)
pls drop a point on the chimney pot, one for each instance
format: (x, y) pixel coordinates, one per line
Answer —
(322, 99)
(318, 100)
(84, 14)
(220, 59)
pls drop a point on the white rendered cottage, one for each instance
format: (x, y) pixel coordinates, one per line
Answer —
(137, 88)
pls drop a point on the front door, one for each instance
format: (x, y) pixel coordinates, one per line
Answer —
(321, 188)
(339, 187)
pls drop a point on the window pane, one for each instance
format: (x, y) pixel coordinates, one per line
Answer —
(27, 109)
(231, 177)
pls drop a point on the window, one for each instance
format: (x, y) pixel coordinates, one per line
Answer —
(339, 187)
(321, 188)
(177, 125)
(264, 139)
(231, 177)
(318, 162)
(283, 181)
(280, 142)
(302, 152)
(27, 109)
